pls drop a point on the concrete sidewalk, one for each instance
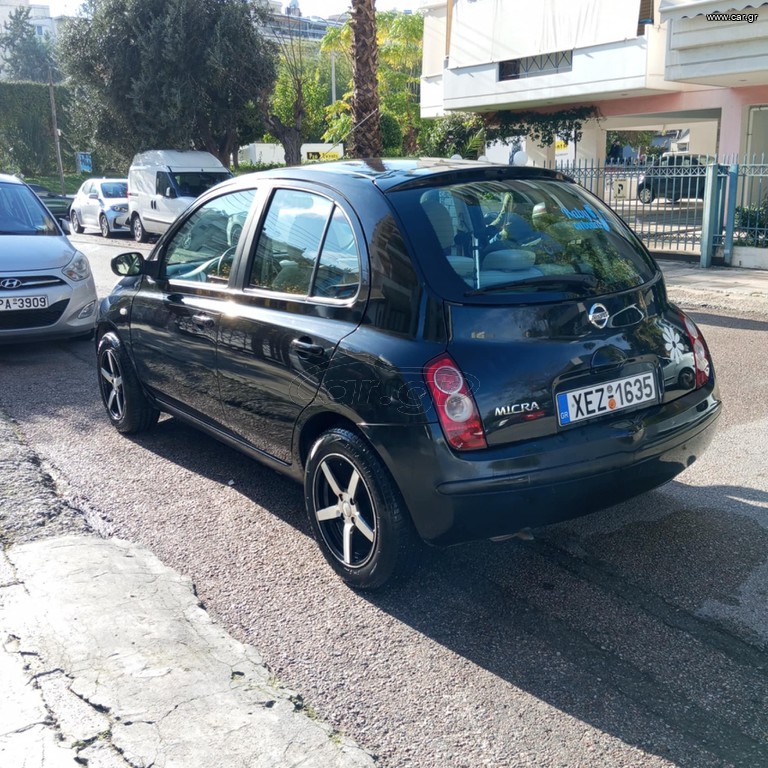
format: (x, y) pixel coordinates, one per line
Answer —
(729, 288)
(108, 660)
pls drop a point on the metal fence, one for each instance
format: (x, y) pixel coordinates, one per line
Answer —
(701, 209)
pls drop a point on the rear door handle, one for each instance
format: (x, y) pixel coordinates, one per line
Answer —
(306, 347)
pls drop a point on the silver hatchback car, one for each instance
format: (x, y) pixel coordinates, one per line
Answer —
(46, 285)
(101, 204)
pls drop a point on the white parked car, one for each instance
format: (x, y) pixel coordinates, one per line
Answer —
(46, 285)
(101, 204)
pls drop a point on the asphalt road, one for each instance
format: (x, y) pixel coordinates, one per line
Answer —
(634, 638)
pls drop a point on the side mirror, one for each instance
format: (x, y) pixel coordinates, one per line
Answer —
(93, 196)
(128, 264)
(170, 192)
(64, 224)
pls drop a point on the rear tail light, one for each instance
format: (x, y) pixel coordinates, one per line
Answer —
(456, 408)
(700, 351)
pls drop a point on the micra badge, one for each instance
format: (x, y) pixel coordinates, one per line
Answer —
(509, 410)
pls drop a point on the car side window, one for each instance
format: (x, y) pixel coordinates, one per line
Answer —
(289, 242)
(204, 247)
(162, 183)
(338, 271)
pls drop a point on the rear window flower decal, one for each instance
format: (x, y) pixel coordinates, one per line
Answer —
(673, 344)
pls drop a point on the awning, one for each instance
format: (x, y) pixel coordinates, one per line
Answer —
(500, 30)
(681, 9)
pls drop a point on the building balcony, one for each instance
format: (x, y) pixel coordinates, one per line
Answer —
(716, 43)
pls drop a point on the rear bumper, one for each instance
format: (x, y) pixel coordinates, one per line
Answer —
(455, 498)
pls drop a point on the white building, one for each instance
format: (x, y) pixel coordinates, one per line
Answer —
(39, 16)
(643, 64)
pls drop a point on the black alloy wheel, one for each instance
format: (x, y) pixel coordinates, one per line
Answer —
(127, 406)
(356, 512)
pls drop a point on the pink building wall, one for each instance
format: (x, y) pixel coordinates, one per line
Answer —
(732, 103)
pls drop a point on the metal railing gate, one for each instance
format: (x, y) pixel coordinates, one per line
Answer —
(692, 210)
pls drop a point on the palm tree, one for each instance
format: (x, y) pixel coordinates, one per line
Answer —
(366, 133)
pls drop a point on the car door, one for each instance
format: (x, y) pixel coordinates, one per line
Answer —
(175, 319)
(90, 206)
(165, 204)
(301, 292)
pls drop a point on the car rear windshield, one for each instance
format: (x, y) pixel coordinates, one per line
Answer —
(22, 213)
(520, 239)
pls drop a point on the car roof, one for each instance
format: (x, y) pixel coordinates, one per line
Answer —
(7, 178)
(391, 174)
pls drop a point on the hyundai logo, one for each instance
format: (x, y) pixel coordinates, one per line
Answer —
(599, 316)
(10, 283)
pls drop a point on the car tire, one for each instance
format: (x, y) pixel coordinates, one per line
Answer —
(76, 225)
(357, 513)
(645, 195)
(104, 226)
(139, 233)
(128, 408)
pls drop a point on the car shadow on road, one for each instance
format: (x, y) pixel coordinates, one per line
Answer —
(725, 321)
(622, 626)
(627, 620)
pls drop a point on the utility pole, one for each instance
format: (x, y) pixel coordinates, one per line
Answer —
(56, 141)
(333, 77)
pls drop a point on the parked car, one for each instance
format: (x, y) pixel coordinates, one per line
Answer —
(164, 182)
(57, 204)
(46, 286)
(385, 333)
(677, 175)
(101, 204)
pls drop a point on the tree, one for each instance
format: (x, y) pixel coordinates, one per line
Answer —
(400, 42)
(26, 130)
(458, 133)
(297, 107)
(24, 56)
(169, 73)
(366, 131)
(399, 38)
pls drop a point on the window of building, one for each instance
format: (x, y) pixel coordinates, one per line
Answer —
(534, 66)
(645, 16)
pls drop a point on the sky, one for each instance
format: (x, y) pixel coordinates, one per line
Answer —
(321, 8)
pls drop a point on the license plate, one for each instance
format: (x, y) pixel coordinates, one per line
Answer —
(608, 397)
(14, 303)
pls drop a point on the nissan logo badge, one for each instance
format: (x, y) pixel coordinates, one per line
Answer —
(598, 316)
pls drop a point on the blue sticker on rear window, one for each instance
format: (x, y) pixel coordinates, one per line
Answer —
(586, 218)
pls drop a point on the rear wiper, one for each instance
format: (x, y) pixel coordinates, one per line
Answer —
(547, 281)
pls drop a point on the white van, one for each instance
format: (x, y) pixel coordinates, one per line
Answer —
(163, 182)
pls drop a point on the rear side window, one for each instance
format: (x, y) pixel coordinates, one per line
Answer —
(306, 247)
(523, 237)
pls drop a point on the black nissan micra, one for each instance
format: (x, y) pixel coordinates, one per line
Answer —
(439, 351)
